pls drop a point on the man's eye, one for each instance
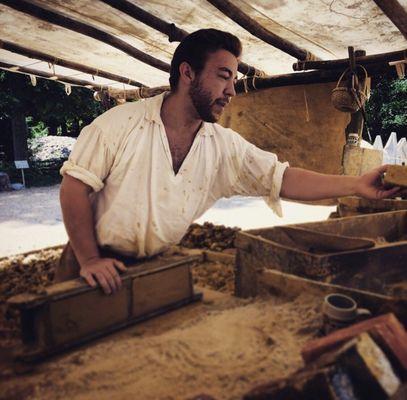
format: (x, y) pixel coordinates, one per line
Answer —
(224, 77)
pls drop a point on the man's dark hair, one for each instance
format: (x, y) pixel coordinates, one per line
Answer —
(195, 48)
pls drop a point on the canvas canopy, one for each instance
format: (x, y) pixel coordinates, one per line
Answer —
(322, 28)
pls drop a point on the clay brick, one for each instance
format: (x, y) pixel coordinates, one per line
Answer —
(315, 348)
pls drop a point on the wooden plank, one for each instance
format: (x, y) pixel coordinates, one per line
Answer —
(158, 289)
(72, 312)
(362, 268)
(78, 316)
(282, 284)
(315, 348)
(325, 242)
(383, 58)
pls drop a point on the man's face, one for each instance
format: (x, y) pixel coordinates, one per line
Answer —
(213, 87)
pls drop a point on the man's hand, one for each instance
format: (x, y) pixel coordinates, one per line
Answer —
(104, 271)
(370, 185)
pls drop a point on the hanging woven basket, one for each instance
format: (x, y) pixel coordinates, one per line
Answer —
(349, 99)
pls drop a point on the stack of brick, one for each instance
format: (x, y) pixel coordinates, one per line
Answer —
(365, 361)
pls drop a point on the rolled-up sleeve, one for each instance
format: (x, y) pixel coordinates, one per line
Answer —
(91, 158)
(259, 174)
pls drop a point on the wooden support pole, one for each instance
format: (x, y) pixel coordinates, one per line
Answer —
(395, 12)
(46, 75)
(301, 78)
(384, 58)
(252, 26)
(251, 83)
(174, 33)
(85, 29)
(68, 64)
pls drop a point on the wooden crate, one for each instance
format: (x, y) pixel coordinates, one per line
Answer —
(70, 313)
(377, 269)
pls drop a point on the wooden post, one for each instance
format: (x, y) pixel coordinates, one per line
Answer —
(395, 12)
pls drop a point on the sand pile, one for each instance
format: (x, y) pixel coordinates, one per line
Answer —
(222, 347)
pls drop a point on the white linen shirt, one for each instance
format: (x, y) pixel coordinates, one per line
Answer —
(140, 205)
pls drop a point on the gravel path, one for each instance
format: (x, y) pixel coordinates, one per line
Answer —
(30, 219)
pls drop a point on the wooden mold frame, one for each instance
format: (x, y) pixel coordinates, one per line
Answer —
(70, 313)
(368, 269)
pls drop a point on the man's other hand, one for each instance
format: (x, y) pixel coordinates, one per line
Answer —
(370, 185)
(104, 271)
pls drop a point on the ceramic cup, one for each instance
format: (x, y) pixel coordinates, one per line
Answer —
(339, 311)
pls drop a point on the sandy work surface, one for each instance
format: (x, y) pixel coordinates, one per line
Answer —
(222, 347)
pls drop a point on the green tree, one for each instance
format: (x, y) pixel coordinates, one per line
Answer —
(386, 109)
(47, 102)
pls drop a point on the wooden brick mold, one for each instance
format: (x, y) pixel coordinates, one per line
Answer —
(366, 252)
(71, 312)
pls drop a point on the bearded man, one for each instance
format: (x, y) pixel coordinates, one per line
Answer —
(142, 172)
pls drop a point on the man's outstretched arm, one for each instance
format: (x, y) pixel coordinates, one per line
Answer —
(301, 184)
(79, 223)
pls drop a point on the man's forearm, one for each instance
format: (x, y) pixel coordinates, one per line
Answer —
(78, 219)
(301, 184)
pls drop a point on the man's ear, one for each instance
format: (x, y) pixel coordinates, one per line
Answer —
(186, 73)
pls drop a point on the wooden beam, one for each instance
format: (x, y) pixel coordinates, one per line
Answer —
(84, 29)
(174, 33)
(395, 12)
(132, 94)
(46, 75)
(252, 26)
(344, 62)
(14, 48)
(252, 83)
(302, 78)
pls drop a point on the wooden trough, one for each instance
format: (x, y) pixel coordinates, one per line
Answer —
(363, 256)
(71, 313)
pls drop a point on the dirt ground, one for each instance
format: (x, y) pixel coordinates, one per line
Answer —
(222, 346)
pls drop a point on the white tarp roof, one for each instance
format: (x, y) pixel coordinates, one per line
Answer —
(323, 27)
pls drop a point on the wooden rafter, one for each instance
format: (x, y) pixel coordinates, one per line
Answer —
(250, 84)
(174, 33)
(52, 77)
(256, 29)
(64, 63)
(395, 12)
(84, 29)
(344, 62)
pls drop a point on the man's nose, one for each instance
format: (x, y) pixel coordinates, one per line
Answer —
(230, 89)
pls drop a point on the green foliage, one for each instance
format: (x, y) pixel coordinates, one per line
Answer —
(47, 104)
(386, 109)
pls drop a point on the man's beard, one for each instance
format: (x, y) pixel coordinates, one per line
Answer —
(202, 101)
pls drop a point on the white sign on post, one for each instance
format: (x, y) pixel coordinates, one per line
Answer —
(22, 164)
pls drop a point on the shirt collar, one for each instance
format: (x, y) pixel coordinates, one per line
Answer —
(153, 114)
